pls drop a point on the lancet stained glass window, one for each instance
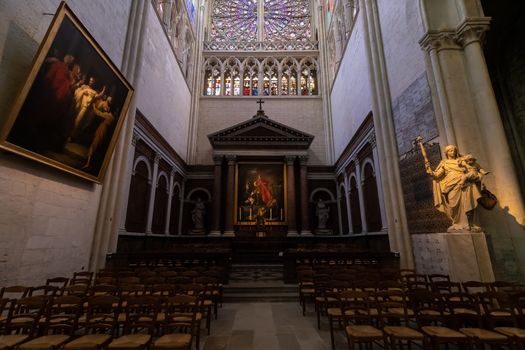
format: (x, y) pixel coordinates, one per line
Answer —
(260, 20)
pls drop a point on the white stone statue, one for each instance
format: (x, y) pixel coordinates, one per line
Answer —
(457, 187)
(323, 213)
(197, 214)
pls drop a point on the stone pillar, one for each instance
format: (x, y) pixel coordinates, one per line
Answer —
(305, 212)
(379, 183)
(216, 200)
(471, 33)
(170, 197)
(230, 197)
(361, 195)
(181, 206)
(347, 199)
(152, 193)
(339, 213)
(290, 194)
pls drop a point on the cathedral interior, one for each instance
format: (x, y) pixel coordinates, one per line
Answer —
(249, 141)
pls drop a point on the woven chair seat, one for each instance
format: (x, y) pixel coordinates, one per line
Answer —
(130, 341)
(46, 342)
(403, 332)
(442, 332)
(173, 341)
(511, 332)
(364, 331)
(11, 340)
(87, 342)
(483, 334)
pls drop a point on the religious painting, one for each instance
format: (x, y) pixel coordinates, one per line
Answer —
(73, 104)
(260, 193)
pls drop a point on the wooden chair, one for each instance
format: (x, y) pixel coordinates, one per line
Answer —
(50, 291)
(99, 324)
(394, 319)
(347, 301)
(358, 321)
(81, 277)
(59, 282)
(431, 316)
(139, 323)
(14, 292)
(26, 314)
(59, 325)
(474, 287)
(181, 324)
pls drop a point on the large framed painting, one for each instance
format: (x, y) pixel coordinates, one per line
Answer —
(260, 190)
(73, 104)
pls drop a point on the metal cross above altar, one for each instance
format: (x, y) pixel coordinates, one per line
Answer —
(260, 102)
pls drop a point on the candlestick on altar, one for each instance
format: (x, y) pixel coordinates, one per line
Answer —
(270, 213)
(250, 213)
(281, 214)
(240, 214)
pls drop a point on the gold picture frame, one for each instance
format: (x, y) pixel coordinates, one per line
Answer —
(260, 186)
(73, 104)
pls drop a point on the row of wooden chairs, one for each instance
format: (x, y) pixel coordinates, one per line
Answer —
(47, 323)
(393, 317)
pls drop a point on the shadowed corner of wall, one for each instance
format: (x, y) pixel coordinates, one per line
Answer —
(506, 243)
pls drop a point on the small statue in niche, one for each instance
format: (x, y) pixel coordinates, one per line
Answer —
(457, 186)
(322, 211)
(197, 215)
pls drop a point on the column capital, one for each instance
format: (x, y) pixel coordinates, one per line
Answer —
(156, 160)
(289, 159)
(231, 159)
(472, 30)
(439, 40)
(303, 160)
(217, 159)
(173, 172)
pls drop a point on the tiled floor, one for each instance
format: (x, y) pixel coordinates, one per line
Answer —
(268, 326)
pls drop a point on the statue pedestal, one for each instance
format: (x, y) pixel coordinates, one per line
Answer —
(463, 256)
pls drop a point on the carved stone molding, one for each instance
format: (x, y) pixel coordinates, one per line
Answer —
(303, 160)
(372, 140)
(440, 40)
(473, 30)
(217, 159)
(157, 158)
(290, 160)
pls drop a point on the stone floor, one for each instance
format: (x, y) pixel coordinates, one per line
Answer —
(268, 326)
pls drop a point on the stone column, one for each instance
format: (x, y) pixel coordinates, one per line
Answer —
(152, 193)
(170, 197)
(377, 170)
(290, 195)
(230, 197)
(181, 206)
(471, 33)
(347, 198)
(361, 195)
(305, 212)
(216, 200)
(339, 215)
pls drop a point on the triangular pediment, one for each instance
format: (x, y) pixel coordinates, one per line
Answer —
(260, 132)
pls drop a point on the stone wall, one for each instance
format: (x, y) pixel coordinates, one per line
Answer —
(302, 113)
(163, 97)
(351, 92)
(47, 217)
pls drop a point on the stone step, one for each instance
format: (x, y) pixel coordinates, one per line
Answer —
(260, 293)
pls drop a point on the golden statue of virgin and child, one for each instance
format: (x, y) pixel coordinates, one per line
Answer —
(457, 186)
